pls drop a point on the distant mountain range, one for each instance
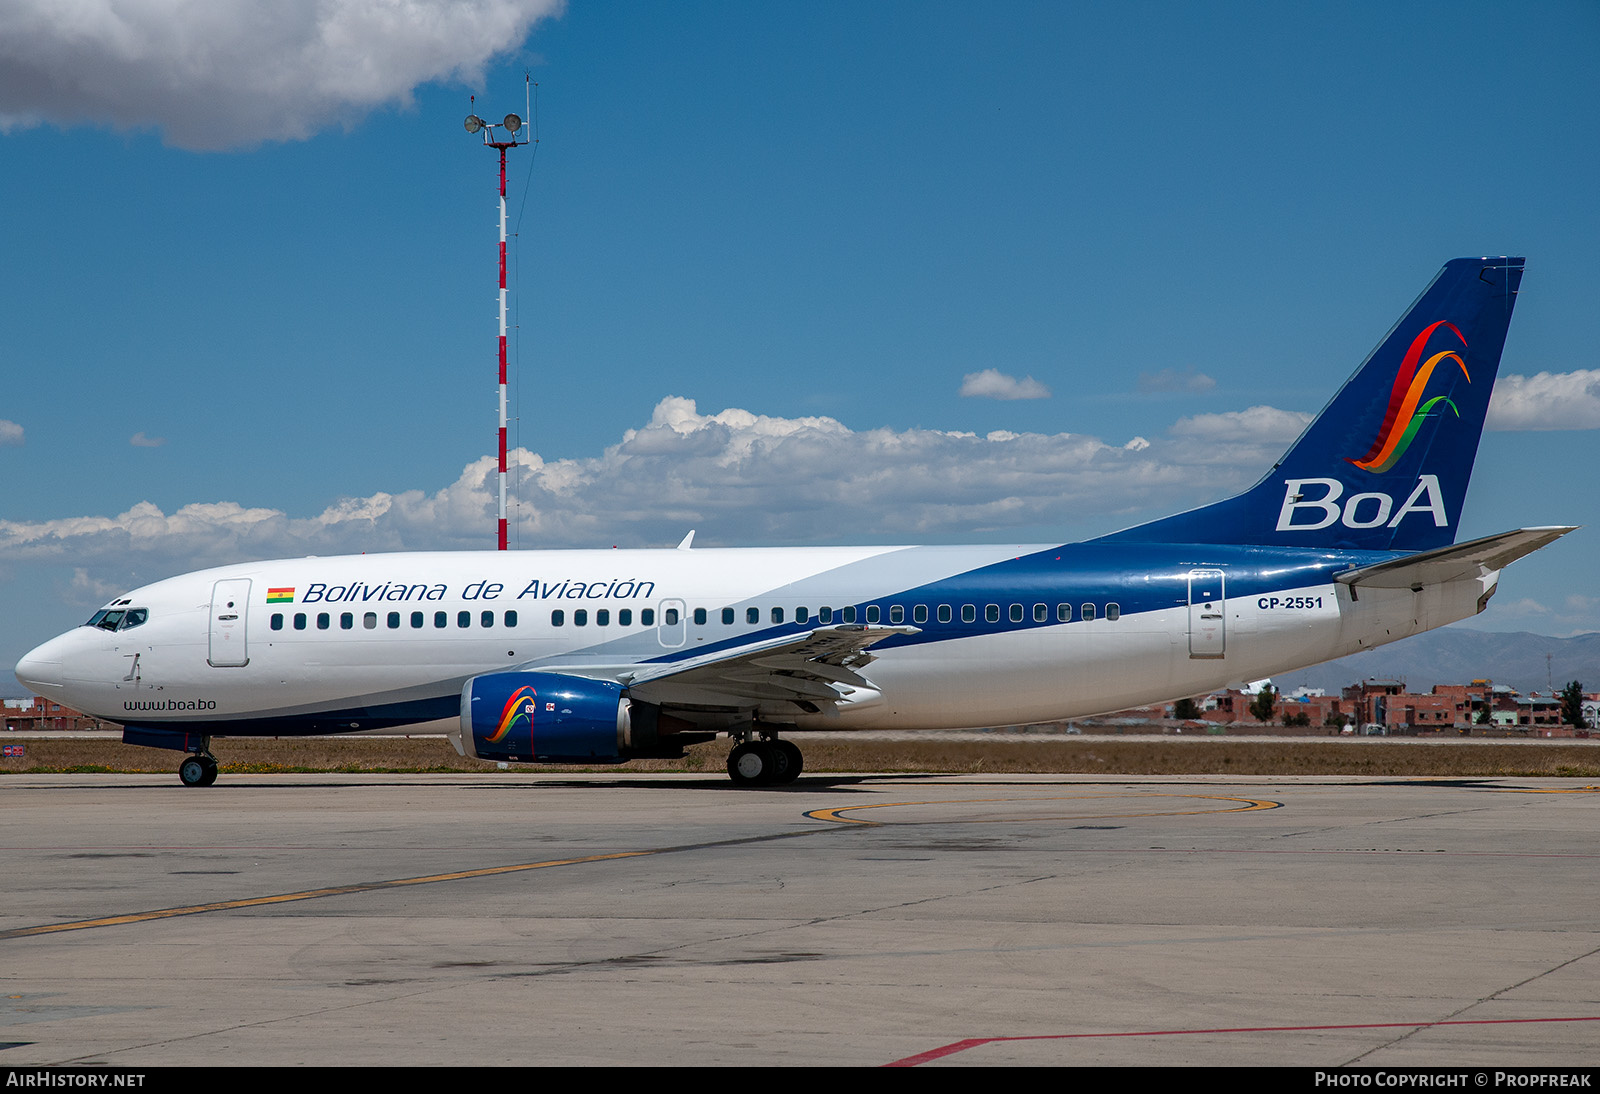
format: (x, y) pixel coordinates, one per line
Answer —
(1455, 655)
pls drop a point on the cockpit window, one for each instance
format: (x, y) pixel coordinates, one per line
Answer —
(107, 621)
(118, 619)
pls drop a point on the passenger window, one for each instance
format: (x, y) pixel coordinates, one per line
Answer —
(849, 613)
(277, 621)
(991, 613)
(441, 619)
(602, 617)
(669, 617)
(417, 620)
(699, 617)
(647, 617)
(347, 621)
(874, 613)
(919, 613)
(969, 613)
(1086, 613)
(486, 619)
(580, 617)
(777, 615)
(1041, 613)
(824, 615)
(944, 613)
(752, 615)
(511, 619)
(558, 618)
(463, 620)
(897, 613)
(624, 617)
(801, 615)
(1063, 613)
(322, 621)
(1016, 613)
(370, 621)
(727, 617)
(1113, 612)
(299, 621)
(394, 621)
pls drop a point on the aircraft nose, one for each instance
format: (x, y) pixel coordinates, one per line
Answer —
(40, 669)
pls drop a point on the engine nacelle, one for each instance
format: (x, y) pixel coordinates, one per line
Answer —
(544, 717)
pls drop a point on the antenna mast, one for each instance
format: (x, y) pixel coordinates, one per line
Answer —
(511, 125)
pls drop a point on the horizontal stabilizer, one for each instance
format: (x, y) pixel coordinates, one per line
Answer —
(1461, 560)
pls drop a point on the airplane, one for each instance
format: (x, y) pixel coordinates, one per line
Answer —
(601, 656)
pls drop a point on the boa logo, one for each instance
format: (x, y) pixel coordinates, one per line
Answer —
(1404, 416)
(1365, 510)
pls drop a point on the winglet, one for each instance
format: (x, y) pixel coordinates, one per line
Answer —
(688, 541)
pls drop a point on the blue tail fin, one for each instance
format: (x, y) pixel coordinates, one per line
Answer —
(1385, 465)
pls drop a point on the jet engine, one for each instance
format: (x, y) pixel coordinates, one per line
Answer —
(547, 717)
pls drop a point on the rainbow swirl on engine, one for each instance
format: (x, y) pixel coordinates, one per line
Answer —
(519, 706)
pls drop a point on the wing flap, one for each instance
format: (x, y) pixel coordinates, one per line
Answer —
(820, 667)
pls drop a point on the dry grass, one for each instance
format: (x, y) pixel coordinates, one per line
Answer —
(1133, 756)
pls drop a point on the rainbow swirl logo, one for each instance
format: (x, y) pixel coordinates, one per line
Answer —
(1404, 416)
(518, 707)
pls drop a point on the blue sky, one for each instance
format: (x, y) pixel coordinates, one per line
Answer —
(249, 282)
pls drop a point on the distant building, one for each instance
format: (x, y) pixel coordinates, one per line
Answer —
(40, 714)
(1388, 702)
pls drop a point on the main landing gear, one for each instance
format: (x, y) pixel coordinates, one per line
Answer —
(199, 769)
(765, 763)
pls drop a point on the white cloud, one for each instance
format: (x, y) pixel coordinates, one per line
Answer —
(991, 383)
(139, 440)
(1250, 438)
(229, 73)
(1263, 423)
(1546, 400)
(1522, 606)
(737, 477)
(10, 433)
(1170, 379)
(94, 588)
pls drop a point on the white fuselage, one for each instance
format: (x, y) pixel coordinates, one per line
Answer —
(308, 645)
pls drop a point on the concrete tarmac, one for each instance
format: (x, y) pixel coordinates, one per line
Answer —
(868, 920)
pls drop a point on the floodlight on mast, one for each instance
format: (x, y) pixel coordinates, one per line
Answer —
(512, 125)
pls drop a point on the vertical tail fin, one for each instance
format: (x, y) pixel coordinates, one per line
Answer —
(1386, 464)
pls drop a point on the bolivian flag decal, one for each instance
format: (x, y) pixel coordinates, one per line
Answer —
(280, 596)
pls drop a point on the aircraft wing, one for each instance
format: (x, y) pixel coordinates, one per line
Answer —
(813, 670)
(1459, 560)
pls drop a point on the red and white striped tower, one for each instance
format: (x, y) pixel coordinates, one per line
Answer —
(511, 124)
